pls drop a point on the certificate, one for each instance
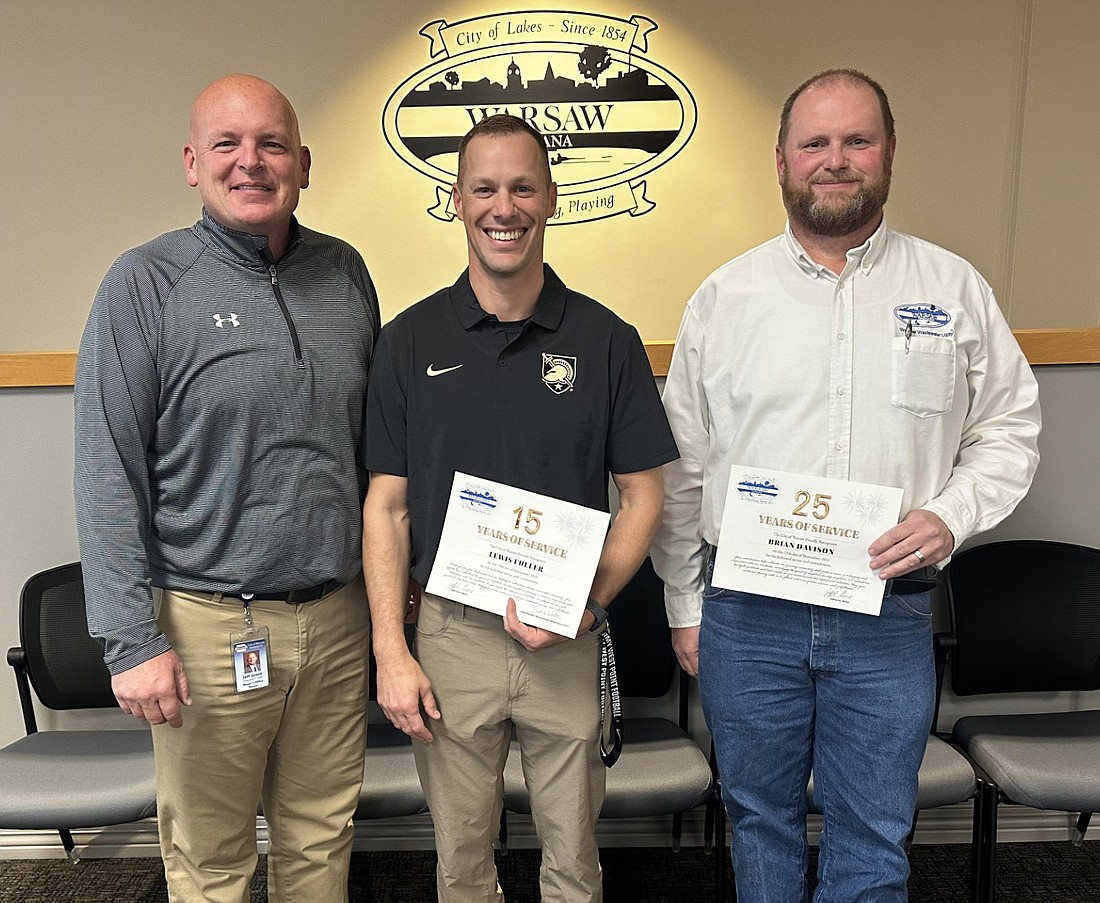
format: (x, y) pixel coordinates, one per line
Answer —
(500, 542)
(803, 538)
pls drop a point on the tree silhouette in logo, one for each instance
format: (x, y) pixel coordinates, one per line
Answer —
(452, 78)
(593, 61)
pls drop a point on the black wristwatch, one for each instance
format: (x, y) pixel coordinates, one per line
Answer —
(598, 612)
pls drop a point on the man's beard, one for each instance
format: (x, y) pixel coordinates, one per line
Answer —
(838, 216)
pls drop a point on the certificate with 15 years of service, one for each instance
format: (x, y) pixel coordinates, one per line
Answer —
(804, 538)
(500, 542)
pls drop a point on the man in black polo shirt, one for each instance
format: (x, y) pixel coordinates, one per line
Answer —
(511, 377)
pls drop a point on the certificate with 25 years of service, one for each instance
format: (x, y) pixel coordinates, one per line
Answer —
(500, 542)
(804, 538)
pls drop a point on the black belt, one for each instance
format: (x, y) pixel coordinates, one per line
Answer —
(294, 596)
(911, 583)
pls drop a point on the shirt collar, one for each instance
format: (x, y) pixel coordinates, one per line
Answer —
(549, 309)
(865, 256)
(245, 247)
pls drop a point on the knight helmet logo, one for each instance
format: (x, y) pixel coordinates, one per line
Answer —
(559, 372)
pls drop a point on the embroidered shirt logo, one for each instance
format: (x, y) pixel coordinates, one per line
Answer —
(221, 320)
(559, 372)
(922, 316)
(432, 371)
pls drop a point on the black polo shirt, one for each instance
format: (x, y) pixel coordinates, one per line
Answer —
(552, 406)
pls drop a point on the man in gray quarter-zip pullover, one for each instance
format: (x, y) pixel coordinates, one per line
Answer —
(219, 481)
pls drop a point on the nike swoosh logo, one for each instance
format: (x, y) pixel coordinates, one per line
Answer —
(431, 371)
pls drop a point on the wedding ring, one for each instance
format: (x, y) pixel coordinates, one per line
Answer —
(920, 557)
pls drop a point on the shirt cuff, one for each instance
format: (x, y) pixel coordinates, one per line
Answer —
(684, 610)
(139, 655)
(950, 519)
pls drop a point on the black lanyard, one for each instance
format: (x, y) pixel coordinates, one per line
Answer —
(609, 679)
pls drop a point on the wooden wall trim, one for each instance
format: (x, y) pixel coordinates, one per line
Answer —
(1060, 346)
(37, 368)
(1042, 346)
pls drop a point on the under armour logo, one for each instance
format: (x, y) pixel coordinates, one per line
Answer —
(231, 320)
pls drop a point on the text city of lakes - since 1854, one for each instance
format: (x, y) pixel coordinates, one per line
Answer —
(603, 32)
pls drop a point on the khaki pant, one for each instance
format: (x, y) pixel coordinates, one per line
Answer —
(485, 682)
(298, 744)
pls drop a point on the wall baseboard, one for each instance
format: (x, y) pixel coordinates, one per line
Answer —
(951, 824)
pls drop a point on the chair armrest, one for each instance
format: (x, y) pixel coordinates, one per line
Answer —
(682, 707)
(17, 658)
(943, 643)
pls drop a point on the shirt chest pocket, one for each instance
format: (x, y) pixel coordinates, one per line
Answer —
(922, 374)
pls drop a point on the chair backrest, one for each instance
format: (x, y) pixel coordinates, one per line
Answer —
(64, 664)
(1026, 617)
(644, 657)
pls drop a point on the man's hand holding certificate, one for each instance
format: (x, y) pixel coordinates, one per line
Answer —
(500, 542)
(803, 538)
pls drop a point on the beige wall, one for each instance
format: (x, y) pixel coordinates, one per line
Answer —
(1056, 281)
(993, 100)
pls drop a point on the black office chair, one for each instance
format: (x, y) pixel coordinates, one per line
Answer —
(75, 779)
(661, 770)
(1027, 620)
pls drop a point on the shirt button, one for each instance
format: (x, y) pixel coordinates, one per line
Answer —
(840, 390)
(840, 337)
(839, 446)
(502, 362)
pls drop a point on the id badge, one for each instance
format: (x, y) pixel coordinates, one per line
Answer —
(251, 669)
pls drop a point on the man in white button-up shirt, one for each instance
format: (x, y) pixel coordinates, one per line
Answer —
(840, 349)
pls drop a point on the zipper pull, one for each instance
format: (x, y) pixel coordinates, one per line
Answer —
(274, 274)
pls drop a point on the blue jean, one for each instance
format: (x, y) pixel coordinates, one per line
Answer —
(787, 688)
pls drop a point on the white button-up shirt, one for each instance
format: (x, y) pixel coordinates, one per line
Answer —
(900, 371)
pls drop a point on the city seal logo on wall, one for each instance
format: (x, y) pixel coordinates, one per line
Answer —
(610, 116)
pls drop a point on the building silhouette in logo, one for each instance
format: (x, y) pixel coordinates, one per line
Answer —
(570, 114)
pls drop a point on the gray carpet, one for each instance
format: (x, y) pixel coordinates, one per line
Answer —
(1027, 873)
